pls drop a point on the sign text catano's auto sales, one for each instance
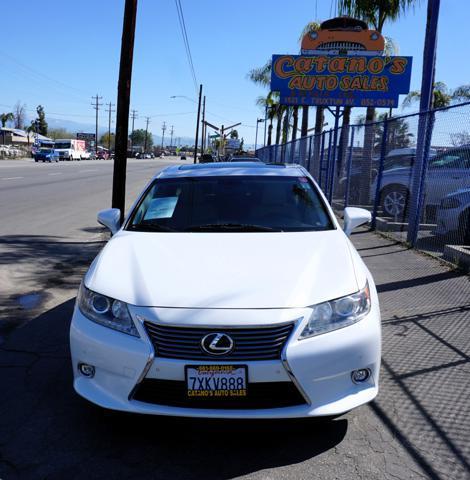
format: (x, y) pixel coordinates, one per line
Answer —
(354, 80)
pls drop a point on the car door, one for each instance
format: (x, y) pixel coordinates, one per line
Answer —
(447, 173)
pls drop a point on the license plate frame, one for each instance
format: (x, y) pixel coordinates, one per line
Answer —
(202, 381)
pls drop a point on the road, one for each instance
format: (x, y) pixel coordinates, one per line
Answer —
(48, 229)
(417, 428)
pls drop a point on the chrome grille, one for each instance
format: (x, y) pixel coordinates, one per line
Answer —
(255, 343)
(341, 46)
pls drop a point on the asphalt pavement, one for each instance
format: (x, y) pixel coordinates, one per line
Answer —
(48, 228)
(417, 428)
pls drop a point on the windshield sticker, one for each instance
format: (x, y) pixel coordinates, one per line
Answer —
(162, 207)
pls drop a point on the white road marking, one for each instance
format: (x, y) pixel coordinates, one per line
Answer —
(54, 174)
(11, 178)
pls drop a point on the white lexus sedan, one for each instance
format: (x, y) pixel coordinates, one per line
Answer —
(230, 290)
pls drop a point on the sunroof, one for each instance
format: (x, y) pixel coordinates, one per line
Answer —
(198, 166)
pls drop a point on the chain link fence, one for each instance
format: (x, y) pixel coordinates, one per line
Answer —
(377, 166)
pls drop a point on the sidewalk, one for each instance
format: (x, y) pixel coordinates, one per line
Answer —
(425, 383)
(418, 427)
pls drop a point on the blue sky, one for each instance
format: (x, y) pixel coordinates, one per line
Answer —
(59, 53)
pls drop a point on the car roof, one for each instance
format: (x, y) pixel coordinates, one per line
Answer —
(232, 169)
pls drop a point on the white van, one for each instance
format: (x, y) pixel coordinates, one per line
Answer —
(70, 149)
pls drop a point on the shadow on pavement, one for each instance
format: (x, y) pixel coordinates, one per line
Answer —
(424, 393)
(31, 266)
(47, 431)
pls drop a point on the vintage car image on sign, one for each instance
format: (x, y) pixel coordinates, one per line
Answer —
(343, 35)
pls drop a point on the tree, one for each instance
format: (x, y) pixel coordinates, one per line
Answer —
(41, 120)
(460, 138)
(262, 76)
(310, 27)
(105, 138)
(234, 134)
(398, 132)
(268, 104)
(442, 95)
(376, 13)
(19, 114)
(138, 138)
(6, 117)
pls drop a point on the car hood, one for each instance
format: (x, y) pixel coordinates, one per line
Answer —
(224, 270)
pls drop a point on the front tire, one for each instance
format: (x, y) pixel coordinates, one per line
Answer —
(394, 201)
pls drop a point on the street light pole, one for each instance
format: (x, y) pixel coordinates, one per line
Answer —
(123, 102)
(258, 121)
(197, 122)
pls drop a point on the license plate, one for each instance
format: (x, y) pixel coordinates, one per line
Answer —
(216, 381)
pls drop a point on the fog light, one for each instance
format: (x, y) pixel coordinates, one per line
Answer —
(86, 370)
(359, 376)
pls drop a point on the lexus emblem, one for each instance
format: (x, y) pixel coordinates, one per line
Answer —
(217, 344)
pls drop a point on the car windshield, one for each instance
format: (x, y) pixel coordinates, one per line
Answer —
(62, 144)
(45, 150)
(234, 204)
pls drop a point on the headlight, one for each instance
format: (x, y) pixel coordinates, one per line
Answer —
(339, 313)
(106, 311)
(374, 36)
(450, 203)
(313, 35)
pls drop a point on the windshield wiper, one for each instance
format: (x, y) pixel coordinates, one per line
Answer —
(240, 227)
(150, 227)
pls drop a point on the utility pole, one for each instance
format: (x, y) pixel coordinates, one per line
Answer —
(147, 121)
(123, 102)
(425, 123)
(203, 140)
(109, 110)
(163, 132)
(96, 105)
(197, 123)
(171, 136)
(133, 116)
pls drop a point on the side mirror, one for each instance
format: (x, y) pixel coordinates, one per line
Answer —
(354, 217)
(110, 218)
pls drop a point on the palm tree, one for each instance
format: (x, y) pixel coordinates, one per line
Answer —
(310, 27)
(443, 96)
(271, 105)
(6, 117)
(375, 13)
(262, 76)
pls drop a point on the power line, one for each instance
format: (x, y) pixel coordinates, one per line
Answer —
(40, 74)
(184, 34)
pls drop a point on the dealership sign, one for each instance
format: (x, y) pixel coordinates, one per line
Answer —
(355, 81)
